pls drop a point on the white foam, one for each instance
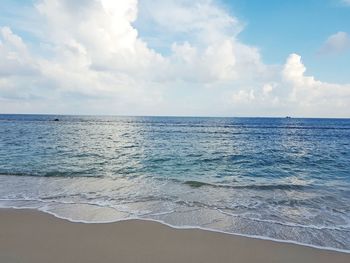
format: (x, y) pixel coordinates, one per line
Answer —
(340, 228)
(150, 213)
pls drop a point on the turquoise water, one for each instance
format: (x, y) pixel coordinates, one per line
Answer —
(286, 179)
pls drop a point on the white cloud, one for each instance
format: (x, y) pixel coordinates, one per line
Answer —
(209, 33)
(243, 96)
(15, 58)
(346, 2)
(93, 60)
(268, 88)
(213, 63)
(201, 19)
(311, 96)
(336, 44)
(100, 31)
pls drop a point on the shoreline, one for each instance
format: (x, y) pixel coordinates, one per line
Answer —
(24, 233)
(185, 227)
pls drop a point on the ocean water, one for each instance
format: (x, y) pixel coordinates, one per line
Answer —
(284, 179)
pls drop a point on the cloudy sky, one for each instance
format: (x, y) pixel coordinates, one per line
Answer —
(176, 57)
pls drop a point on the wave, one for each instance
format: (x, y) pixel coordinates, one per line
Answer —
(191, 183)
(263, 187)
(197, 184)
(53, 174)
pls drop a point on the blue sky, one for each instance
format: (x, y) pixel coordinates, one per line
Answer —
(201, 57)
(299, 26)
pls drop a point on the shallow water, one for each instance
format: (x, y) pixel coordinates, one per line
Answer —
(286, 179)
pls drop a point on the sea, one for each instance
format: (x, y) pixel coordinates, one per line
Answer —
(285, 179)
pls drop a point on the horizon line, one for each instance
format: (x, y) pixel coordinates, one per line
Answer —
(174, 116)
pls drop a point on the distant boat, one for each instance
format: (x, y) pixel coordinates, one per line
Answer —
(56, 120)
(288, 117)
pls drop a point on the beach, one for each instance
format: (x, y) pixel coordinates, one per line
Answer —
(220, 174)
(29, 236)
(174, 131)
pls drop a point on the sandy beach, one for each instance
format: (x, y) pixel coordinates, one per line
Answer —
(28, 236)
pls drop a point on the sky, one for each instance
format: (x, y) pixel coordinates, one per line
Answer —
(176, 57)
